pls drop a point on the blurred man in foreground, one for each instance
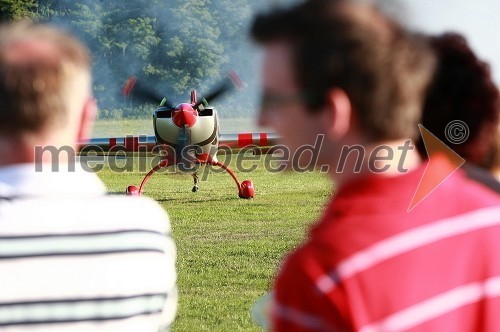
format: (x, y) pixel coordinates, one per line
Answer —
(376, 260)
(71, 257)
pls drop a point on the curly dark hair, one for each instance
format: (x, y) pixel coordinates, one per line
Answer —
(462, 89)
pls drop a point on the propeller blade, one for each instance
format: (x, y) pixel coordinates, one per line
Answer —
(129, 85)
(231, 81)
(141, 93)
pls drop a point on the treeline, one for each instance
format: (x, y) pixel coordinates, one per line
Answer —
(172, 46)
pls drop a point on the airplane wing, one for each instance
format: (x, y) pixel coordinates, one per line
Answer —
(145, 144)
(242, 140)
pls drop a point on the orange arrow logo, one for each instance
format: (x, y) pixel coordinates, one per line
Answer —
(443, 162)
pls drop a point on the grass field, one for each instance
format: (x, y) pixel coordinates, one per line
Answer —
(230, 248)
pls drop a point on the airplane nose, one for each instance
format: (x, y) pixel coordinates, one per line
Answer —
(184, 115)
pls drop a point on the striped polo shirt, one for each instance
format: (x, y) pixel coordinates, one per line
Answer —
(75, 259)
(370, 265)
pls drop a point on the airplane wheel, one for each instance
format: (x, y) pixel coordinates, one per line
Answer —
(246, 189)
(132, 191)
(195, 189)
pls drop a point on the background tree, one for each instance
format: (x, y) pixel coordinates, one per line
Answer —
(17, 9)
(171, 46)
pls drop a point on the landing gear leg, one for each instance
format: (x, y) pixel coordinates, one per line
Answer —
(134, 191)
(196, 181)
(245, 189)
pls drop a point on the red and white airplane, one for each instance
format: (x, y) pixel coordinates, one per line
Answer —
(186, 136)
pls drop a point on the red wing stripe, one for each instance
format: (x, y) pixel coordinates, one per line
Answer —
(245, 139)
(263, 139)
(131, 143)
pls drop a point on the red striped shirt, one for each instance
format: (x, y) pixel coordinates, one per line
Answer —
(369, 265)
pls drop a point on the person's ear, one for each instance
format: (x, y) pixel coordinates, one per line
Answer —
(340, 113)
(87, 120)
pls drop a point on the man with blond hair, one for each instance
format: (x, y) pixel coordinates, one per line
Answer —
(71, 257)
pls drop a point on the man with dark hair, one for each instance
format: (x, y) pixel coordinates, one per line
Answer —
(463, 93)
(72, 258)
(342, 71)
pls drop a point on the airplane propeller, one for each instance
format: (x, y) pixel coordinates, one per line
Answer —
(142, 93)
(192, 133)
(232, 80)
(148, 95)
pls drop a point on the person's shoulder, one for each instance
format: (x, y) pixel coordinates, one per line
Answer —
(293, 268)
(130, 200)
(483, 177)
(131, 204)
(460, 197)
(131, 209)
(298, 263)
(469, 189)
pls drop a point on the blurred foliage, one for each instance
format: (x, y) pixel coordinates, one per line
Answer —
(17, 9)
(171, 46)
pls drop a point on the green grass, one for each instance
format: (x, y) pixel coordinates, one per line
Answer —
(229, 248)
